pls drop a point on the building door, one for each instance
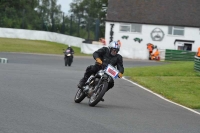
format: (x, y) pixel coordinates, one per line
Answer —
(187, 47)
(183, 44)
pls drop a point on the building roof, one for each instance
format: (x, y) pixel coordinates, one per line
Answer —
(159, 12)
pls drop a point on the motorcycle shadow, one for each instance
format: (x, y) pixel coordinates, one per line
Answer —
(117, 107)
(105, 106)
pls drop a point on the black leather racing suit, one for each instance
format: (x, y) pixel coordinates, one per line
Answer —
(104, 54)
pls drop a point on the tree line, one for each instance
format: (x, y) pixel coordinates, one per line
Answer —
(86, 17)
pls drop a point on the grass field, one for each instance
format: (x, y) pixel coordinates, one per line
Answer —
(176, 81)
(33, 46)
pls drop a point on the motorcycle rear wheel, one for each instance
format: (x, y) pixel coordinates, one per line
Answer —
(79, 96)
(98, 95)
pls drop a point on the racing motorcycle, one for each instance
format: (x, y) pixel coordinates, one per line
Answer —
(97, 85)
(68, 57)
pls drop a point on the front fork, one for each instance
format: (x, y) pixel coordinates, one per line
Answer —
(96, 86)
(100, 80)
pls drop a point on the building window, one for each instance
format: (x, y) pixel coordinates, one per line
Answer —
(175, 30)
(125, 28)
(135, 28)
(186, 47)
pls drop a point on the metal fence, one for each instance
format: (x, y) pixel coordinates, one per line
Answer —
(179, 55)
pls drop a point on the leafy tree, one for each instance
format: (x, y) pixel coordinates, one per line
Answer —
(89, 11)
(50, 14)
(30, 14)
(47, 15)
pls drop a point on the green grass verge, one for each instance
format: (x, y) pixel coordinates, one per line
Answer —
(34, 46)
(176, 81)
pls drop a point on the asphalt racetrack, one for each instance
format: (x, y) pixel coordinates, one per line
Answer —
(37, 96)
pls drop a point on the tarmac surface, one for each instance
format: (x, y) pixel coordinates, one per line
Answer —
(37, 96)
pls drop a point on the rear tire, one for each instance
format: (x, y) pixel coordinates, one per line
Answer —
(79, 96)
(97, 96)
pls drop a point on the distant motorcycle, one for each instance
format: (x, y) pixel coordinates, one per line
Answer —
(68, 57)
(97, 85)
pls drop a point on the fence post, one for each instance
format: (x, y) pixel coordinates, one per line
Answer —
(97, 30)
(23, 19)
(63, 24)
(71, 25)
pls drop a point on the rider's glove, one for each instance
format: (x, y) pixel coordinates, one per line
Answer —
(120, 75)
(98, 61)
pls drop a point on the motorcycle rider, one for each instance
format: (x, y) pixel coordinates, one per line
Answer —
(104, 56)
(71, 51)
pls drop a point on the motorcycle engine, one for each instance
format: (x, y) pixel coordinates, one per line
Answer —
(96, 81)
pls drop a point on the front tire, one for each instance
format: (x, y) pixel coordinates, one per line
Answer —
(65, 61)
(97, 96)
(79, 96)
(69, 61)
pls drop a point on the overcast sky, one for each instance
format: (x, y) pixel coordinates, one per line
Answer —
(65, 5)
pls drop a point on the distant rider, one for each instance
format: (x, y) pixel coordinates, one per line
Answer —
(70, 50)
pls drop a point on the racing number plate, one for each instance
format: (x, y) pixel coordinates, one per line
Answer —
(113, 72)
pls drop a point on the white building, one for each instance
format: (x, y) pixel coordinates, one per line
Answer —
(169, 24)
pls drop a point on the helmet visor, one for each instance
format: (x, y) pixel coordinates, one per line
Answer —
(114, 51)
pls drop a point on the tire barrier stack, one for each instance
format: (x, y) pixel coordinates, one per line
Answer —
(3, 60)
(197, 63)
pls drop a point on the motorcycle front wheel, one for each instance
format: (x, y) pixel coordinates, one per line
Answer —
(69, 61)
(79, 96)
(96, 96)
(66, 62)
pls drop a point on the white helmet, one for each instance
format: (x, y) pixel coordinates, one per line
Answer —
(114, 46)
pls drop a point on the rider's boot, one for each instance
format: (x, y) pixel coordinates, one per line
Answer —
(84, 80)
(82, 83)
